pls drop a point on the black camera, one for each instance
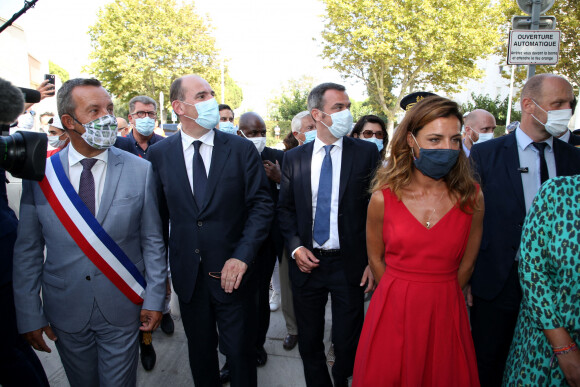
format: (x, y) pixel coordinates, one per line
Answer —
(23, 154)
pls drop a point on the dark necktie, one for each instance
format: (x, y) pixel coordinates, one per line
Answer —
(199, 175)
(87, 184)
(541, 146)
(322, 215)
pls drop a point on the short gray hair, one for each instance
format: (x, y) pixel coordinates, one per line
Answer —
(144, 100)
(297, 121)
(64, 99)
(316, 96)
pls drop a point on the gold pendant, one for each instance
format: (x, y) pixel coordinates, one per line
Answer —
(428, 224)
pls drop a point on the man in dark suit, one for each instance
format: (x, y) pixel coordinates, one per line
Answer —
(214, 191)
(322, 215)
(511, 169)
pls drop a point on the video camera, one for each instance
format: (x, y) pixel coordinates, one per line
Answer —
(23, 154)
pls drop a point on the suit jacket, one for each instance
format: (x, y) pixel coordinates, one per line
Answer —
(359, 161)
(275, 236)
(496, 164)
(126, 144)
(574, 139)
(8, 225)
(70, 282)
(232, 222)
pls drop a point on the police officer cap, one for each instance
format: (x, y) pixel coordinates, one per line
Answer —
(410, 100)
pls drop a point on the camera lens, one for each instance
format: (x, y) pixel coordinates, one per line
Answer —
(23, 154)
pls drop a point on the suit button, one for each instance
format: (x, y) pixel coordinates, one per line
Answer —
(88, 278)
(200, 223)
(197, 251)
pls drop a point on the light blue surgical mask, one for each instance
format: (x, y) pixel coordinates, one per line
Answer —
(310, 136)
(208, 114)
(341, 123)
(227, 127)
(376, 141)
(145, 126)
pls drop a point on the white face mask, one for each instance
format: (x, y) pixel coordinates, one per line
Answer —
(259, 142)
(557, 123)
(483, 137)
(341, 123)
(56, 142)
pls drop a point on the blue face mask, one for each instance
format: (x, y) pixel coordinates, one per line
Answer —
(228, 127)
(376, 141)
(435, 163)
(145, 125)
(208, 114)
(310, 136)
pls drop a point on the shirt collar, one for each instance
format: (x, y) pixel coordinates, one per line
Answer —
(524, 140)
(318, 145)
(566, 136)
(187, 140)
(74, 157)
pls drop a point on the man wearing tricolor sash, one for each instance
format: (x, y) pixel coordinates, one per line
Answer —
(103, 276)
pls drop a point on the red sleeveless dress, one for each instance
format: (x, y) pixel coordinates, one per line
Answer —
(416, 331)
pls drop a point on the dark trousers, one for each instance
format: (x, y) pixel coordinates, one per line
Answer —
(492, 327)
(19, 365)
(347, 320)
(266, 260)
(236, 324)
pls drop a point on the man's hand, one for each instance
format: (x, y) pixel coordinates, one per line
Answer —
(150, 320)
(232, 274)
(468, 296)
(272, 171)
(305, 260)
(46, 89)
(35, 338)
(368, 276)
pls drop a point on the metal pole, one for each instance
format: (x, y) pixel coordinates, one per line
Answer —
(536, 8)
(223, 82)
(509, 112)
(577, 114)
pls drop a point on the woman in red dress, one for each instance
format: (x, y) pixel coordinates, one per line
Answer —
(424, 228)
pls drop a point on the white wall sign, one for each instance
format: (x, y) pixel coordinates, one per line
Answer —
(533, 47)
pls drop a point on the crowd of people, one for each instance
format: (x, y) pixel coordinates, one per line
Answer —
(469, 245)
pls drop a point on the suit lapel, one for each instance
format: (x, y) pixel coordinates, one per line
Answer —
(345, 167)
(305, 172)
(63, 155)
(114, 169)
(219, 157)
(179, 171)
(512, 163)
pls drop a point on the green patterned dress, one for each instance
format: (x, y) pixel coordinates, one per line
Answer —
(549, 273)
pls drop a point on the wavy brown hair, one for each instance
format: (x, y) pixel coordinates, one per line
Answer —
(397, 174)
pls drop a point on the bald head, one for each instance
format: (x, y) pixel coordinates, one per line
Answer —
(535, 86)
(122, 127)
(252, 125)
(179, 87)
(479, 115)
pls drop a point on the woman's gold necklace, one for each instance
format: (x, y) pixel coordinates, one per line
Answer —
(428, 222)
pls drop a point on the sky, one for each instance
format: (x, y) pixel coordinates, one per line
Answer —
(265, 42)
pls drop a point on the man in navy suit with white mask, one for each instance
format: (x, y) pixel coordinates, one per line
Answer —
(323, 203)
(214, 192)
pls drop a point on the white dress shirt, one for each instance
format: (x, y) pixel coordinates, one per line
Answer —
(530, 158)
(318, 154)
(99, 171)
(205, 149)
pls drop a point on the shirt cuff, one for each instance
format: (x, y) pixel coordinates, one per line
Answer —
(295, 251)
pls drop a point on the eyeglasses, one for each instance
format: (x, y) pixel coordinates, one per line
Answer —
(143, 114)
(369, 133)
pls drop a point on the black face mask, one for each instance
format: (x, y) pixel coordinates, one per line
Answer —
(435, 163)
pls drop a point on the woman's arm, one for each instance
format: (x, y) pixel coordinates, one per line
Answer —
(375, 245)
(468, 261)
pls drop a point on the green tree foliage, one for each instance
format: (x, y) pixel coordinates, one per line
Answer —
(406, 45)
(141, 46)
(234, 94)
(293, 99)
(53, 68)
(497, 107)
(567, 13)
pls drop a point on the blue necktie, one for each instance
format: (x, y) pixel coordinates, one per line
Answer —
(199, 175)
(87, 184)
(322, 216)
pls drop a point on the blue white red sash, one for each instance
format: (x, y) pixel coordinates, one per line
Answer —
(89, 235)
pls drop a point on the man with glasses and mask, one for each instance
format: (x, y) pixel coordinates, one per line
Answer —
(214, 191)
(479, 126)
(322, 214)
(142, 116)
(511, 169)
(103, 277)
